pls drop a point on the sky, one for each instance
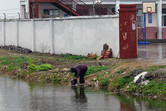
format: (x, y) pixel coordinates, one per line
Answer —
(10, 7)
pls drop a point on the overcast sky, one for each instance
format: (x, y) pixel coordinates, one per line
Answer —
(9, 6)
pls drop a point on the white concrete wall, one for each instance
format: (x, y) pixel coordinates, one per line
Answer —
(75, 35)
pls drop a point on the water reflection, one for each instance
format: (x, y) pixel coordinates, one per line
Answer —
(79, 99)
(152, 50)
(130, 103)
(80, 94)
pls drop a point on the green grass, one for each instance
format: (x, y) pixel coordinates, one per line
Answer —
(154, 88)
(21, 59)
(154, 68)
(12, 67)
(73, 57)
(6, 62)
(94, 69)
(120, 71)
(13, 60)
(120, 83)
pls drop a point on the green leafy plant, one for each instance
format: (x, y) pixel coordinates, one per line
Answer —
(42, 67)
(104, 81)
(154, 88)
(94, 69)
(124, 80)
(12, 67)
(119, 83)
(120, 71)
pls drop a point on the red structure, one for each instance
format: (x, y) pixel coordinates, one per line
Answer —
(63, 4)
(70, 7)
(127, 31)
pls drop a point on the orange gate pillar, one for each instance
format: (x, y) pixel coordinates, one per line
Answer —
(127, 31)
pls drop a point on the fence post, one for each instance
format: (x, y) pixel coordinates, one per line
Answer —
(17, 33)
(4, 32)
(33, 36)
(52, 35)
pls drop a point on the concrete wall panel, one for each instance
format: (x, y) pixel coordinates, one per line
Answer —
(26, 34)
(11, 35)
(43, 40)
(83, 36)
(1, 38)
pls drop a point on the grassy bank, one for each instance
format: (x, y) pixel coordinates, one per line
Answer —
(123, 82)
(45, 68)
(112, 74)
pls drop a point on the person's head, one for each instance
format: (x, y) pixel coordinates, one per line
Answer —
(72, 70)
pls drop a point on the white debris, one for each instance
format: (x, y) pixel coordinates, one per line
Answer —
(141, 75)
(145, 82)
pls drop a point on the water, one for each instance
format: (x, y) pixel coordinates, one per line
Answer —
(152, 51)
(16, 95)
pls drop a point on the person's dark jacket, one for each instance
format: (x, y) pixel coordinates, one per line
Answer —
(79, 69)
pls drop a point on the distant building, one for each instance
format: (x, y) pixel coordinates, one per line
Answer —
(63, 8)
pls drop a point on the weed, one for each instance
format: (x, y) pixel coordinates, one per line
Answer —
(132, 87)
(99, 76)
(154, 88)
(154, 68)
(120, 71)
(6, 62)
(57, 59)
(104, 81)
(94, 69)
(12, 67)
(119, 83)
(21, 60)
(13, 60)
(124, 80)
(73, 57)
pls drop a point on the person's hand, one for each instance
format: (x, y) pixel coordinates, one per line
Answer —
(75, 77)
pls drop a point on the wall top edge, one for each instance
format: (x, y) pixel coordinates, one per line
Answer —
(63, 18)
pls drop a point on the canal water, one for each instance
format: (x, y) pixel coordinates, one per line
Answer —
(16, 95)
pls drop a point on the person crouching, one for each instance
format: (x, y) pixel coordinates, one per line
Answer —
(79, 71)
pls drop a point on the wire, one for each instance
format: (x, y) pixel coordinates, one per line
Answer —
(9, 9)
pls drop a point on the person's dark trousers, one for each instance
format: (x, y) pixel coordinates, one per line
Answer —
(82, 76)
